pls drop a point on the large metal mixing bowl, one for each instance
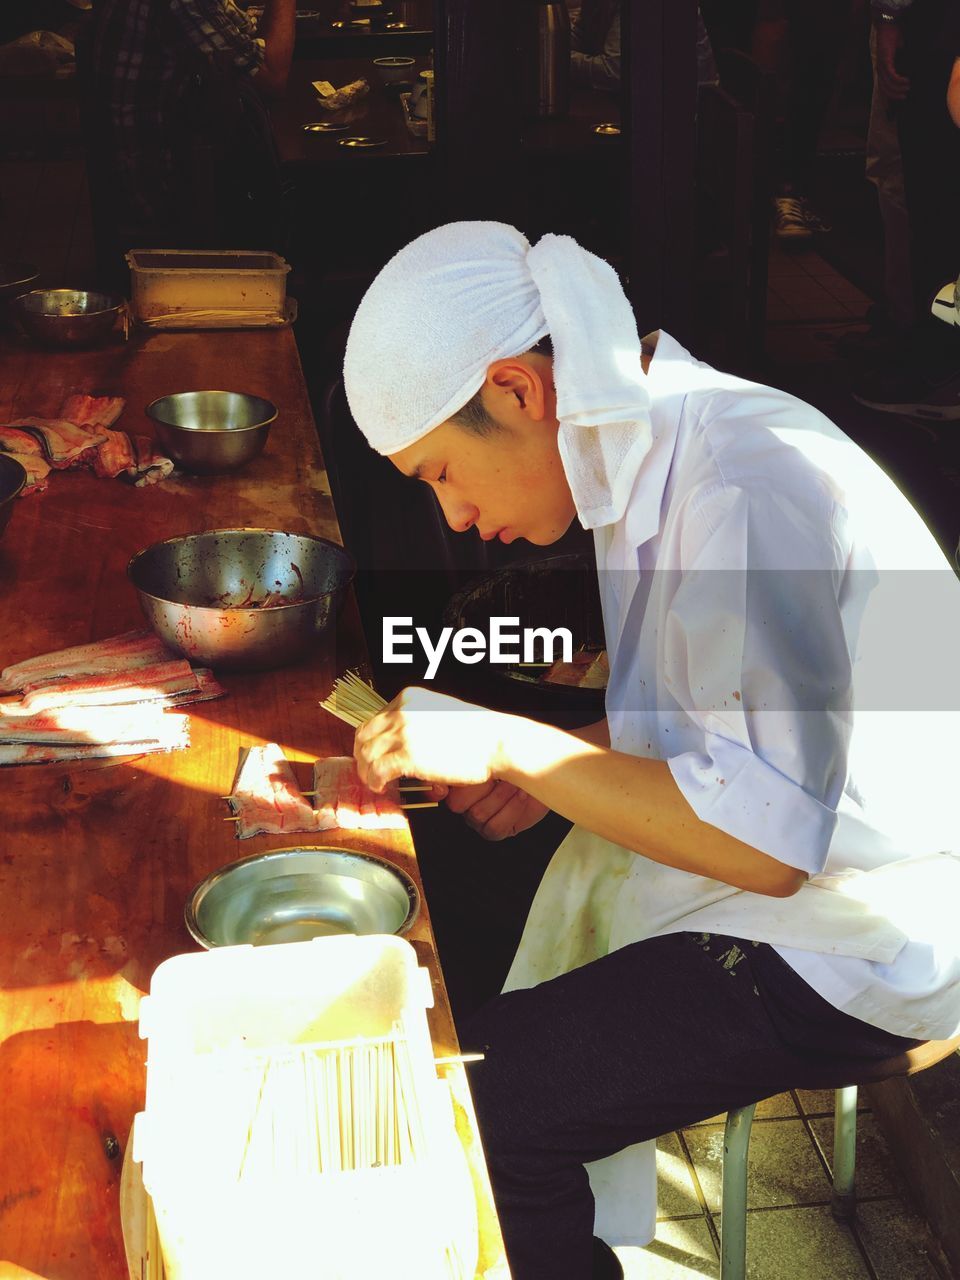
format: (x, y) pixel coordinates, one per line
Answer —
(67, 317)
(241, 599)
(12, 479)
(211, 431)
(292, 895)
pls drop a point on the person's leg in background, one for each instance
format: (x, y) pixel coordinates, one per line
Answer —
(884, 168)
(923, 379)
(648, 1039)
(815, 32)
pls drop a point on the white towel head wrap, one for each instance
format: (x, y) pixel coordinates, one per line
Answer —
(466, 294)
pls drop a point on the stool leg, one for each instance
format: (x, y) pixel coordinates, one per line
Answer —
(843, 1203)
(733, 1206)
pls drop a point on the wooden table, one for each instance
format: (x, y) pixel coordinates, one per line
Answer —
(97, 859)
(378, 115)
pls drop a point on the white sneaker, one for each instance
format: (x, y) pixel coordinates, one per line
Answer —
(794, 220)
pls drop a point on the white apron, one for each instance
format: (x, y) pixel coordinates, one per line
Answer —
(596, 897)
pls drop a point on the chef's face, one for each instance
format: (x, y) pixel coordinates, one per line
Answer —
(507, 482)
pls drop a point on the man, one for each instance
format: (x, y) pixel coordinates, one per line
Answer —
(180, 155)
(915, 374)
(756, 880)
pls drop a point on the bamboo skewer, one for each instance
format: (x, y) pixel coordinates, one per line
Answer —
(353, 700)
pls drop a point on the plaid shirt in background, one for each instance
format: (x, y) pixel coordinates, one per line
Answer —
(147, 59)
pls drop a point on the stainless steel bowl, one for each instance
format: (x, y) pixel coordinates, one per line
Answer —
(395, 70)
(211, 431)
(67, 317)
(12, 479)
(292, 895)
(242, 599)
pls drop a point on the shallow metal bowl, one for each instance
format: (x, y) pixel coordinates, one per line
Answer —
(211, 431)
(12, 479)
(67, 317)
(242, 599)
(292, 895)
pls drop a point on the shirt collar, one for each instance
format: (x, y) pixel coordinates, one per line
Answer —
(668, 380)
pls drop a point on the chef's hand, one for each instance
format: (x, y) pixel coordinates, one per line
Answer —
(496, 809)
(889, 41)
(422, 734)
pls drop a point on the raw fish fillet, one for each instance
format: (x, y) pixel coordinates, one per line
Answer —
(148, 684)
(266, 797)
(175, 738)
(115, 456)
(16, 440)
(37, 471)
(337, 787)
(92, 411)
(64, 444)
(125, 652)
(149, 467)
(69, 726)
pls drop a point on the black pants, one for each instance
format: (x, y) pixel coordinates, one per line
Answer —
(653, 1037)
(815, 30)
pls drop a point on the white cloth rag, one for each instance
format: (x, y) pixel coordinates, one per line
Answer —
(464, 295)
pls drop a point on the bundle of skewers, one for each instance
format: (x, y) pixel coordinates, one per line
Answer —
(330, 1108)
(348, 1128)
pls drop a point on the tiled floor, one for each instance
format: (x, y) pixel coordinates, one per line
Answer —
(791, 1234)
(809, 305)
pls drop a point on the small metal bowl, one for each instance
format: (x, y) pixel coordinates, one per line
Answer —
(242, 599)
(12, 479)
(394, 70)
(292, 895)
(208, 432)
(67, 317)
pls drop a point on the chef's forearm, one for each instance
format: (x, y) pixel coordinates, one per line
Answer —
(597, 733)
(635, 803)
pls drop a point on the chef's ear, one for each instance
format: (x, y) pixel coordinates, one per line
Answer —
(520, 381)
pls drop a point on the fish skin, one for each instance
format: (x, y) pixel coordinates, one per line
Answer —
(147, 684)
(64, 444)
(124, 652)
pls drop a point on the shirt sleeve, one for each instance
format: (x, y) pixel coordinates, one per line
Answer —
(218, 29)
(601, 70)
(758, 658)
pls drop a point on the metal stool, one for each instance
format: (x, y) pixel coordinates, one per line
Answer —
(736, 1140)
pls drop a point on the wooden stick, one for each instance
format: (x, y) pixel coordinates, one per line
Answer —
(422, 804)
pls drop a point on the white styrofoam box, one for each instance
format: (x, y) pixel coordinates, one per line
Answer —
(173, 285)
(230, 1001)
